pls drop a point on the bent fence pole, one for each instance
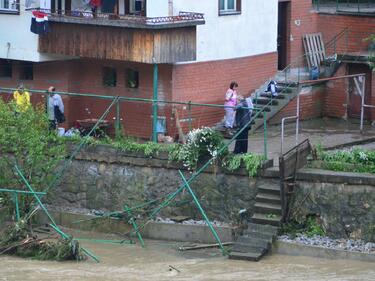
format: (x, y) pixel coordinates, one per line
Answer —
(203, 213)
(53, 224)
(83, 142)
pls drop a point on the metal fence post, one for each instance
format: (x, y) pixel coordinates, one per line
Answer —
(203, 213)
(117, 120)
(265, 133)
(155, 104)
(189, 116)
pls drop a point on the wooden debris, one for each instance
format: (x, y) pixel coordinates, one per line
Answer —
(203, 246)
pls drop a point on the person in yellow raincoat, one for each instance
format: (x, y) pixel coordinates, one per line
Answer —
(22, 99)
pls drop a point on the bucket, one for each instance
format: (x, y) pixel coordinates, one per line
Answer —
(314, 73)
(60, 131)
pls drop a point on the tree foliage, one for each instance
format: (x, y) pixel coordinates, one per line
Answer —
(26, 141)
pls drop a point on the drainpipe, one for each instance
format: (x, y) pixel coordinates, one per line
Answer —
(154, 103)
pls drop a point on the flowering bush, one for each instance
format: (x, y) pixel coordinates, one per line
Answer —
(200, 143)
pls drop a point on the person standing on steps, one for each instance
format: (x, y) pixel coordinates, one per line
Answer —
(230, 103)
(243, 117)
(55, 108)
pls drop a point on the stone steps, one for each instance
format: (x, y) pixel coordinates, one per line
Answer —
(245, 256)
(273, 219)
(269, 189)
(267, 208)
(268, 198)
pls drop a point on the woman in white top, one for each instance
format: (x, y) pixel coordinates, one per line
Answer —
(231, 102)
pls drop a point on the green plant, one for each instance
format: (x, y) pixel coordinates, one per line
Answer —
(355, 160)
(371, 58)
(252, 162)
(25, 140)
(313, 227)
(203, 142)
(310, 226)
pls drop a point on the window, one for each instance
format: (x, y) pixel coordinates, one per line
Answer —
(109, 77)
(26, 71)
(9, 6)
(5, 68)
(229, 7)
(132, 78)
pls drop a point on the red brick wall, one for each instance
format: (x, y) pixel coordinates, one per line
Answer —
(359, 28)
(311, 105)
(310, 22)
(85, 76)
(335, 102)
(303, 21)
(207, 82)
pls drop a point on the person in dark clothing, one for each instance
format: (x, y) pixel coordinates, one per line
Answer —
(243, 117)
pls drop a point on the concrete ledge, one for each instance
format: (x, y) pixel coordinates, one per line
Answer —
(327, 176)
(153, 230)
(294, 249)
(187, 233)
(319, 175)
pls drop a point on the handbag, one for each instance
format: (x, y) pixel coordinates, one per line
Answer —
(59, 116)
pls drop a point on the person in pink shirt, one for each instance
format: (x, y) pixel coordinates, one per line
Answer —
(231, 102)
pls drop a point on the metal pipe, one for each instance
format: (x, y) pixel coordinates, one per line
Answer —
(17, 207)
(33, 192)
(155, 104)
(265, 134)
(189, 116)
(363, 102)
(21, 191)
(203, 213)
(298, 110)
(135, 226)
(10, 90)
(282, 130)
(117, 119)
(65, 236)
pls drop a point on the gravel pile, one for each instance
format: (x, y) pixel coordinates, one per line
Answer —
(339, 244)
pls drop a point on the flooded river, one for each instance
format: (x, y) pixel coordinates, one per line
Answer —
(131, 262)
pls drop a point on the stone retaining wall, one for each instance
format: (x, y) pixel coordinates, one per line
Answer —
(104, 178)
(344, 201)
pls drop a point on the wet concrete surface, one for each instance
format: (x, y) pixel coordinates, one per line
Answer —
(162, 261)
(327, 132)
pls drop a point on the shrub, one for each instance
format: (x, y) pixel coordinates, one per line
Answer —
(200, 143)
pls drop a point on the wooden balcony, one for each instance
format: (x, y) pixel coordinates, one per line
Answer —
(127, 38)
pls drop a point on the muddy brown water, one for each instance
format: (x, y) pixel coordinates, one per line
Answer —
(131, 262)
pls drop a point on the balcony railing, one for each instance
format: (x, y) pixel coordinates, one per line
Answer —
(89, 17)
(359, 7)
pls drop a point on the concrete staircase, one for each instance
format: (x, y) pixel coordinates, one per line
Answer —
(272, 105)
(257, 239)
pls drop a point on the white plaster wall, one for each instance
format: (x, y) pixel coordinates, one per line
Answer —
(252, 32)
(15, 29)
(158, 8)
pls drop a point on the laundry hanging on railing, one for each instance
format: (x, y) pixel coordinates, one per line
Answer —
(39, 23)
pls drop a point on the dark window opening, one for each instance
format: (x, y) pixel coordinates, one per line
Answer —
(109, 77)
(26, 71)
(5, 68)
(132, 78)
